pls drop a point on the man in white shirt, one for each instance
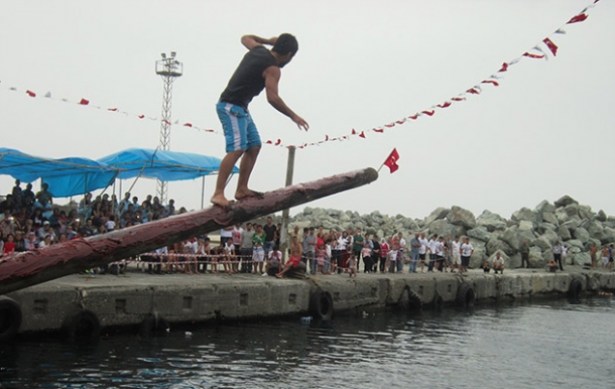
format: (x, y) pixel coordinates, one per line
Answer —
(466, 252)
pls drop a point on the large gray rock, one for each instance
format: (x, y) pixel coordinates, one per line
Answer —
(511, 237)
(527, 215)
(564, 233)
(580, 258)
(608, 235)
(479, 233)
(585, 212)
(549, 217)
(544, 207)
(491, 221)
(461, 217)
(437, 214)
(480, 253)
(536, 258)
(442, 227)
(565, 200)
(581, 234)
(595, 229)
(601, 216)
(496, 244)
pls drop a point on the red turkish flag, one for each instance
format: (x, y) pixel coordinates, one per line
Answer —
(578, 18)
(552, 46)
(84, 102)
(391, 161)
(30, 93)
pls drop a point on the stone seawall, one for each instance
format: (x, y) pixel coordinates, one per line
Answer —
(87, 303)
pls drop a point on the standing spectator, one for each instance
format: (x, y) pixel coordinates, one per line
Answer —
(366, 253)
(415, 246)
(44, 198)
(466, 252)
(357, 243)
(169, 209)
(226, 234)
(605, 256)
(525, 254)
(401, 253)
(28, 197)
(236, 238)
(423, 250)
(309, 248)
(432, 244)
(17, 198)
(557, 250)
(123, 205)
(592, 254)
(258, 256)
(375, 253)
(271, 231)
(384, 253)
(456, 253)
(246, 249)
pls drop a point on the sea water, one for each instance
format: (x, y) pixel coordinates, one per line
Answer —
(538, 345)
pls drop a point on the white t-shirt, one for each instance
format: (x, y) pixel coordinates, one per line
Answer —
(423, 248)
(466, 249)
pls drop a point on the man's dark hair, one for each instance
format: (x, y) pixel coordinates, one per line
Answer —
(286, 43)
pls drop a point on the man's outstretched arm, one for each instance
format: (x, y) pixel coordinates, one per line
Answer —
(272, 78)
(251, 41)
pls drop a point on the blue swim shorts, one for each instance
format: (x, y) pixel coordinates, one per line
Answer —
(240, 131)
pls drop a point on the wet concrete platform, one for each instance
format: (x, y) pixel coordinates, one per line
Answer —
(134, 298)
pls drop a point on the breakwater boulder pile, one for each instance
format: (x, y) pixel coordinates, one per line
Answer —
(565, 220)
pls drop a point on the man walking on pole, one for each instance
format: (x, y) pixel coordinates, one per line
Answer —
(259, 69)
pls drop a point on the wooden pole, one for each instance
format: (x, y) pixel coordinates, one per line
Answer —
(33, 267)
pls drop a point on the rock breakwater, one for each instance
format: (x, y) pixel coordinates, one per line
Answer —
(565, 220)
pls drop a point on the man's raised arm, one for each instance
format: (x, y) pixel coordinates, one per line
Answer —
(251, 41)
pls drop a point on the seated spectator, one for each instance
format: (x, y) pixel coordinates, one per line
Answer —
(486, 268)
(498, 263)
(552, 266)
(274, 262)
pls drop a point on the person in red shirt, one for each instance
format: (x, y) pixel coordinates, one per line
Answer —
(9, 245)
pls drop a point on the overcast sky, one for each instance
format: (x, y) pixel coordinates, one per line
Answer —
(546, 131)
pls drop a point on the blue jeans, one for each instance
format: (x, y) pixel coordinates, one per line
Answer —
(414, 259)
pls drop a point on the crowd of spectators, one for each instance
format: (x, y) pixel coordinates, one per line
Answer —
(30, 220)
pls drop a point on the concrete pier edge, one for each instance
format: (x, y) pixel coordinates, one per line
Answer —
(137, 299)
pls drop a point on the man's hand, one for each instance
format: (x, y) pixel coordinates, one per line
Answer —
(300, 122)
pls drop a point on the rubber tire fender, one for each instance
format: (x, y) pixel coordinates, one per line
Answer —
(10, 318)
(321, 305)
(82, 325)
(575, 289)
(466, 296)
(410, 301)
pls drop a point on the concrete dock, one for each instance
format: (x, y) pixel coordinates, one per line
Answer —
(85, 303)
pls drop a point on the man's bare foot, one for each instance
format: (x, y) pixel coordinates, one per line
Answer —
(220, 201)
(249, 193)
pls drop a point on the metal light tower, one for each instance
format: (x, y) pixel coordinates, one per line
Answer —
(169, 68)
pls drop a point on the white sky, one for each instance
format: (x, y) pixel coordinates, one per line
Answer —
(545, 132)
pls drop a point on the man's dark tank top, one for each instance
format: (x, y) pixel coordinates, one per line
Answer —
(248, 81)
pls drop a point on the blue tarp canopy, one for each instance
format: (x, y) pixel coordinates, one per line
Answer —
(163, 165)
(75, 176)
(65, 176)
